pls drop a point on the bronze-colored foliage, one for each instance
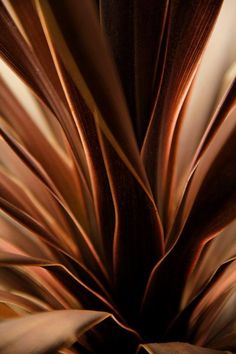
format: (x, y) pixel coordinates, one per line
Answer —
(117, 176)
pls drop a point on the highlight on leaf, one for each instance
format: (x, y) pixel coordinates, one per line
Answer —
(117, 176)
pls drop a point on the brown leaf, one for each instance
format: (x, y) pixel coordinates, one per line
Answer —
(177, 348)
(46, 332)
(188, 30)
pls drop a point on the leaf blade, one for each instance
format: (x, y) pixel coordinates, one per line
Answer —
(46, 332)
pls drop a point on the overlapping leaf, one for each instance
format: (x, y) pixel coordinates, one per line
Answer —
(97, 214)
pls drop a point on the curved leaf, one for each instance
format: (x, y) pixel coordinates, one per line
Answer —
(205, 100)
(213, 209)
(81, 284)
(138, 234)
(189, 27)
(97, 80)
(46, 332)
(135, 33)
(16, 52)
(177, 348)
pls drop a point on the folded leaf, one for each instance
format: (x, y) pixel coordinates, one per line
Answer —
(177, 348)
(138, 233)
(103, 85)
(135, 33)
(204, 100)
(16, 52)
(188, 30)
(213, 209)
(46, 332)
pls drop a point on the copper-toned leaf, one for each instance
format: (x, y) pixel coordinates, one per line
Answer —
(188, 30)
(24, 303)
(177, 348)
(25, 63)
(138, 234)
(218, 77)
(213, 209)
(216, 252)
(103, 85)
(109, 237)
(135, 33)
(46, 332)
(56, 166)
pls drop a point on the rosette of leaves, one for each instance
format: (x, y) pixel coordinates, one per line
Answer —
(117, 176)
